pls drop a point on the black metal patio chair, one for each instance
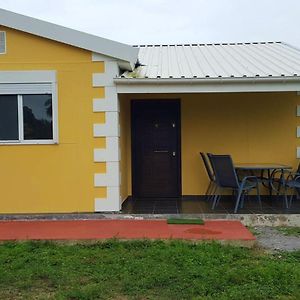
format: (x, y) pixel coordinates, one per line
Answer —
(226, 178)
(210, 191)
(287, 180)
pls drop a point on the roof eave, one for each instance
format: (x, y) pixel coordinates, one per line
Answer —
(206, 80)
(69, 36)
(207, 85)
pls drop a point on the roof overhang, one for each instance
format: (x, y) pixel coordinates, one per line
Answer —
(211, 85)
(126, 54)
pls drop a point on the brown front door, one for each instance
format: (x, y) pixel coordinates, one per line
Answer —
(156, 153)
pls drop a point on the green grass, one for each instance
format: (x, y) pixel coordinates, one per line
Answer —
(145, 270)
(253, 230)
(290, 231)
(185, 221)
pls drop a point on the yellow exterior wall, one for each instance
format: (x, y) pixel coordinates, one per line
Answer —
(54, 178)
(252, 127)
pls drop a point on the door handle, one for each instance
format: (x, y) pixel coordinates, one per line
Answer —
(161, 151)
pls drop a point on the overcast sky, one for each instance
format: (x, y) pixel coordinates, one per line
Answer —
(171, 21)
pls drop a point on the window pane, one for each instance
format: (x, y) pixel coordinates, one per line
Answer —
(37, 115)
(9, 128)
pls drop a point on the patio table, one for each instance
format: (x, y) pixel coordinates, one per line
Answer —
(270, 168)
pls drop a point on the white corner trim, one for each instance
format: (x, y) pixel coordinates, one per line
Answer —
(3, 42)
(111, 203)
(110, 153)
(23, 77)
(111, 126)
(298, 110)
(108, 103)
(298, 152)
(106, 78)
(110, 178)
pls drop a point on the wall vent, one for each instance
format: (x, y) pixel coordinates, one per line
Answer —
(2, 42)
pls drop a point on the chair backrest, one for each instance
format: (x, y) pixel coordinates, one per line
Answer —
(207, 166)
(224, 170)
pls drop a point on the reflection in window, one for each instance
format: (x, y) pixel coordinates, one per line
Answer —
(9, 128)
(37, 115)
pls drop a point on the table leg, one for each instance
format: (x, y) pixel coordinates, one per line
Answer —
(269, 182)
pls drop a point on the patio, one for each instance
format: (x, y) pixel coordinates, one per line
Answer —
(199, 205)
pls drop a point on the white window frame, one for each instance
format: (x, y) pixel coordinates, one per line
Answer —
(30, 83)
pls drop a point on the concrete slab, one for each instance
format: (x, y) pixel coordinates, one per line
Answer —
(219, 230)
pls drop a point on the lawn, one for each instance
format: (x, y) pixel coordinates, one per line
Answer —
(289, 231)
(145, 270)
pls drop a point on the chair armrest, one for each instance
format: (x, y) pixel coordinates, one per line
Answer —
(247, 178)
(293, 176)
(250, 177)
(281, 171)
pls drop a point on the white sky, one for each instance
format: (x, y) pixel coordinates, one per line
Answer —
(171, 21)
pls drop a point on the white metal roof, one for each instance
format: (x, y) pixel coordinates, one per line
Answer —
(224, 60)
(69, 36)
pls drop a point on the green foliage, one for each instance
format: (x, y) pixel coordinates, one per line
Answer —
(291, 231)
(145, 270)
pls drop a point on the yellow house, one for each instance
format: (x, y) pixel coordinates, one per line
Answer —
(86, 122)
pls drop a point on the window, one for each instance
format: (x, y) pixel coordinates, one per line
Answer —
(26, 118)
(9, 129)
(2, 42)
(28, 107)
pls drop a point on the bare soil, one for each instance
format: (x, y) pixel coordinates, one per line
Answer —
(271, 239)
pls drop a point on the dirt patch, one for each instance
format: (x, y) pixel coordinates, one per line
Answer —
(270, 238)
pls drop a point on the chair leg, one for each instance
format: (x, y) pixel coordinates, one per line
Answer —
(291, 200)
(258, 196)
(238, 198)
(213, 191)
(207, 193)
(242, 200)
(216, 197)
(286, 198)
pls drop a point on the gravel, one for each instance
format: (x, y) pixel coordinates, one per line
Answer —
(271, 239)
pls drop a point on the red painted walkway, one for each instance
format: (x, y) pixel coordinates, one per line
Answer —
(122, 229)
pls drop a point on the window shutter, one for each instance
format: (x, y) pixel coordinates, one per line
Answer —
(25, 88)
(2, 42)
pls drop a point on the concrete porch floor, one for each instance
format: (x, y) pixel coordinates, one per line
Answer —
(200, 205)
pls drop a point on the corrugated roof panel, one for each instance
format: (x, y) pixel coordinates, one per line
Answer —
(239, 62)
(260, 61)
(228, 63)
(241, 53)
(203, 62)
(174, 67)
(225, 60)
(192, 62)
(183, 63)
(276, 62)
(284, 57)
